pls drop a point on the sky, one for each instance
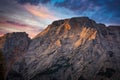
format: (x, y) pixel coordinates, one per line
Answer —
(33, 16)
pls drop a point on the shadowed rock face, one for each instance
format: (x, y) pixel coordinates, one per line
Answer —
(71, 49)
(13, 46)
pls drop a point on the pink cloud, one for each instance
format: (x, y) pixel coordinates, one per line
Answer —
(40, 11)
(10, 26)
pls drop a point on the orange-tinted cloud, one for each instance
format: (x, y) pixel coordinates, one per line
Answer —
(8, 27)
(40, 11)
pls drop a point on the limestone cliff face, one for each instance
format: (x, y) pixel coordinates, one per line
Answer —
(13, 46)
(71, 49)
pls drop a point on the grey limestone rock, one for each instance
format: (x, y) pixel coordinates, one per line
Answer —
(13, 46)
(71, 49)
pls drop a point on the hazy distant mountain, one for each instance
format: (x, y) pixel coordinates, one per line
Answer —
(70, 49)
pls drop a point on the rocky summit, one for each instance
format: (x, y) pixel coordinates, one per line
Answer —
(69, 49)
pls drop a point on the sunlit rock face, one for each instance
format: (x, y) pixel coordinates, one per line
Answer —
(13, 46)
(71, 49)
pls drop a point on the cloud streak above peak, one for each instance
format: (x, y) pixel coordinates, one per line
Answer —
(107, 10)
(40, 11)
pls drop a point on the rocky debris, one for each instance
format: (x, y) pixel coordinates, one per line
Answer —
(71, 49)
(13, 46)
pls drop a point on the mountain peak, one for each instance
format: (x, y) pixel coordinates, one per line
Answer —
(71, 49)
(11, 35)
(74, 25)
(16, 34)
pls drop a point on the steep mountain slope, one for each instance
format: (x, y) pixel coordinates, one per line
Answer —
(2, 66)
(12, 47)
(71, 49)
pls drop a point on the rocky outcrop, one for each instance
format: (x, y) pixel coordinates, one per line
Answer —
(13, 46)
(71, 49)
